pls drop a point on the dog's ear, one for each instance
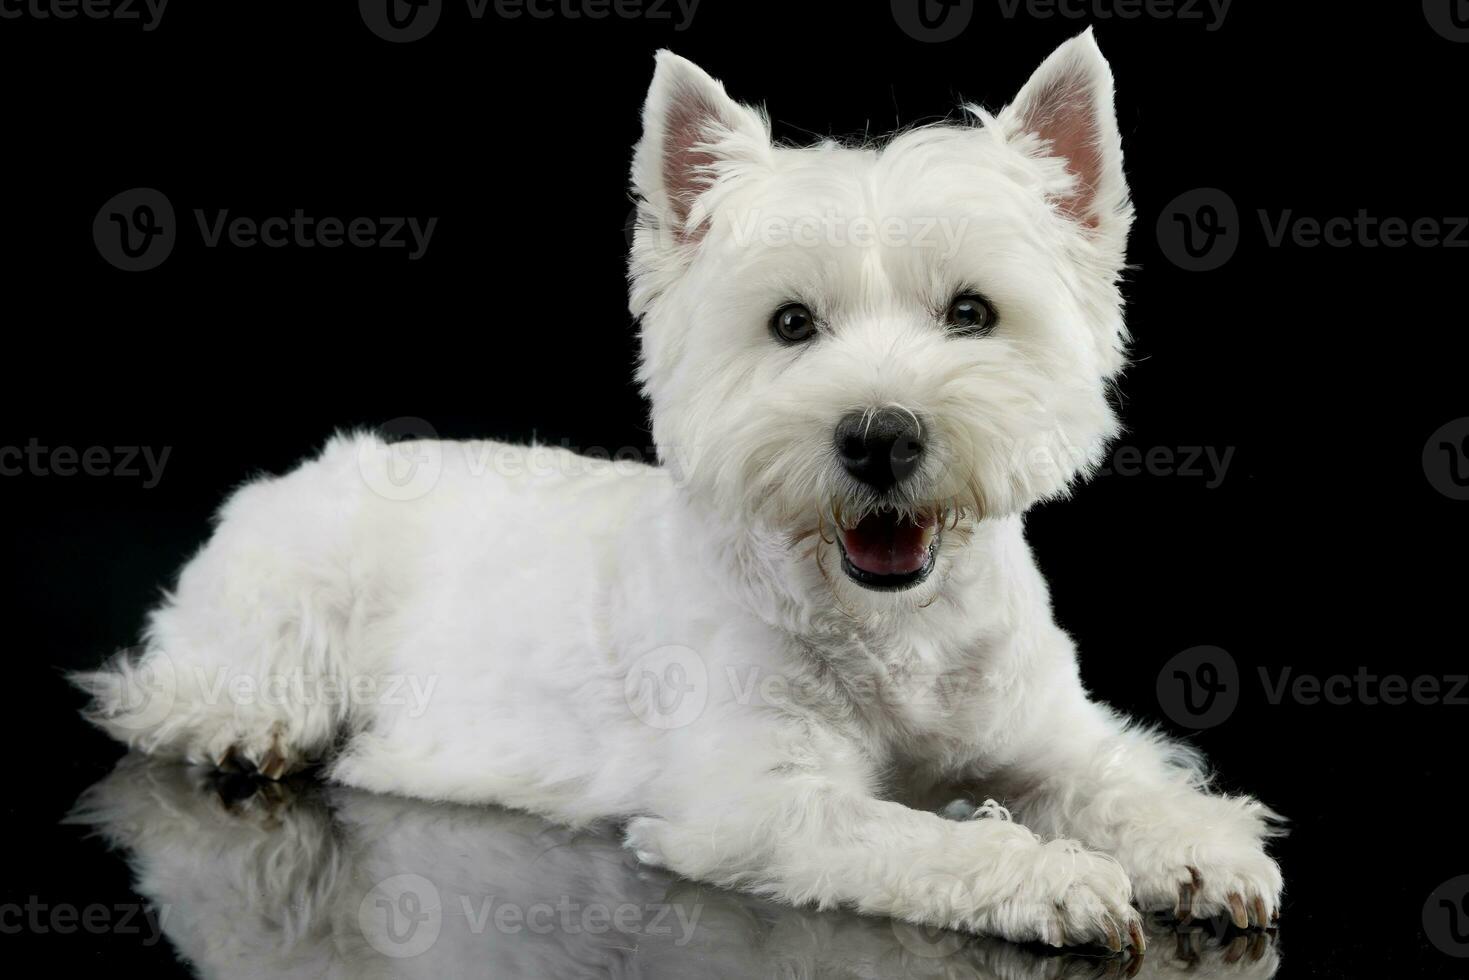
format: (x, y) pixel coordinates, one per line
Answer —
(693, 134)
(1067, 104)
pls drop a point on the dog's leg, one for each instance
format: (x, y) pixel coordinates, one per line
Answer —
(813, 838)
(1138, 796)
(247, 659)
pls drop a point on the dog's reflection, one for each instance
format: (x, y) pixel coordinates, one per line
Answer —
(261, 879)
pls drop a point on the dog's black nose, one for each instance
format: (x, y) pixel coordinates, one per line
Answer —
(879, 448)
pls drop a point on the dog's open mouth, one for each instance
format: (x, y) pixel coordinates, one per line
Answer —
(889, 551)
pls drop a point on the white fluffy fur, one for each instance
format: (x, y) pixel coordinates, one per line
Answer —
(519, 598)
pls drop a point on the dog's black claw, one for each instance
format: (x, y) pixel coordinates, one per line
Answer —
(1185, 911)
(229, 761)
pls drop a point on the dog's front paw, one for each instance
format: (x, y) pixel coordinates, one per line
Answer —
(1202, 879)
(1062, 895)
(265, 750)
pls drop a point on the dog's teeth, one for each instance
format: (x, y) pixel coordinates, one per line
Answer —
(929, 533)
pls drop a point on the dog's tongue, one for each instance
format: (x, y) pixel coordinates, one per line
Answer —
(887, 544)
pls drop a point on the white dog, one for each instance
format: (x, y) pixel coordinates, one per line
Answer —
(819, 619)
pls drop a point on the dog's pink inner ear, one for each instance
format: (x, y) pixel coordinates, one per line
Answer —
(685, 167)
(1065, 113)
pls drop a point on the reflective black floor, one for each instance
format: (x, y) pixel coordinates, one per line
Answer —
(253, 879)
(145, 869)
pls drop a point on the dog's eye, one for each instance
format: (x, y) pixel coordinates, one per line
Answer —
(971, 314)
(793, 324)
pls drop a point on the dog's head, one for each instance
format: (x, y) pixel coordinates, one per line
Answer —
(869, 348)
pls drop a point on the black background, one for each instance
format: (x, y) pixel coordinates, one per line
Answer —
(1325, 548)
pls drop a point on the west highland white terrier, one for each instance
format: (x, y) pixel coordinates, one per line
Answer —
(776, 656)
